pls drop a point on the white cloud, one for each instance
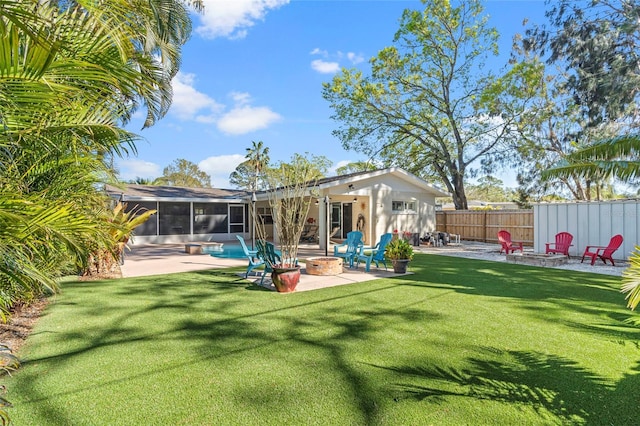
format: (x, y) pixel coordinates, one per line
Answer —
(318, 51)
(220, 167)
(232, 18)
(245, 119)
(355, 58)
(189, 104)
(133, 168)
(331, 67)
(324, 67)
(240, 98)
(339, 164)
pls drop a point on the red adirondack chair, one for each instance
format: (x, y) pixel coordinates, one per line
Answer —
(562, 244)
(603, 252)
(504, 237)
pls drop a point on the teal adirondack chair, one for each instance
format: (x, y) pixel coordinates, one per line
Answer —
(352, 244)
(375, 254)
(270, 256)
(252, 255)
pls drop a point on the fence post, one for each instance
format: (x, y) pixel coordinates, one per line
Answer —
(445, 222)
(484, 226)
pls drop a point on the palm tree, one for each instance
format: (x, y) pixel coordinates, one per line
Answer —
(70, 75)
(258, 159)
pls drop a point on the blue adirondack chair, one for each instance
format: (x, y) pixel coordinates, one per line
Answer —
(268, 253)
(352, 244)
(252, 255)
(375, 254)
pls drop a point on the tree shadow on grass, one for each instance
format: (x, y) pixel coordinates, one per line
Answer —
(329, 332)
(513, 280)
(230, 321)
(576, 290)
(330, 335)
(548, 384)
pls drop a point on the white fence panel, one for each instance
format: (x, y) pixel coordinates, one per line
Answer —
(590, 223)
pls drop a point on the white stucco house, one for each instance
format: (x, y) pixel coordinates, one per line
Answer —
(374, 202)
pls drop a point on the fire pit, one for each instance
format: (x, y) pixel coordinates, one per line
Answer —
(538, 259)
(324, 266)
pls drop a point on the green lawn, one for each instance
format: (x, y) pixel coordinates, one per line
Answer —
(460, 342)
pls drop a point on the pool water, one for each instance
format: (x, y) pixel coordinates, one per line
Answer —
(230, 251)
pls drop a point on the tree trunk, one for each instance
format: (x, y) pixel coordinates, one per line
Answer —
(102, 264)
(459, 195)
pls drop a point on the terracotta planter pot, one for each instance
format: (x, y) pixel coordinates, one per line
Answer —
(285, 279)
(400, 266)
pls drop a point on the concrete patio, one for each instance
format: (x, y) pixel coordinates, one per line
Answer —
(144, 260)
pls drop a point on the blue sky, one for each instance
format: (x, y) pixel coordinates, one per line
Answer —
(253, 70)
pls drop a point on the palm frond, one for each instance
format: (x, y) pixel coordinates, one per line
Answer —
(620, 169)
(617, 157)
(631, 279)
(609, 149)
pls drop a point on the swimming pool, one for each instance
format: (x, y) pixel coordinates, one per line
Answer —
(228, 251)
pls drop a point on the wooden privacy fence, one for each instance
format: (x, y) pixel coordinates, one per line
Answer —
(483, 225)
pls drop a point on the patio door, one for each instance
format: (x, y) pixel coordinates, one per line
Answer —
(236, 218)
(341, 214)
(347, 222)
(336, 217)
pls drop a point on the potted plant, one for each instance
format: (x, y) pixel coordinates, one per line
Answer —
(400, 253)
(289, 188)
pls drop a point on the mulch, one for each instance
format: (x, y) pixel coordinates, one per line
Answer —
(21, 322)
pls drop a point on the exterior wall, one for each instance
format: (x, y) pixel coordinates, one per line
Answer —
(384, 219)
(373, 206)
(590, 223)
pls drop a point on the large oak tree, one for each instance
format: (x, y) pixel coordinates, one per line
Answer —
(429, 104)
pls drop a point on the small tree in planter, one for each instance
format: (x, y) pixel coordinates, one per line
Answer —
(400, 253)
(291, 186)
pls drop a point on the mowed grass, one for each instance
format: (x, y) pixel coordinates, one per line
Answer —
(460, 342)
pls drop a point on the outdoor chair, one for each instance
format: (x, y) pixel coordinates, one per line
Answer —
(603, 252)
(252, 255)
(352, 244)
(374, 254)
(562, 244)
(270, 256)
(309, 234)
(334, 232)
(506, 245)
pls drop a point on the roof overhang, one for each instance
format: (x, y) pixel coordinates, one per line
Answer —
(394, 171)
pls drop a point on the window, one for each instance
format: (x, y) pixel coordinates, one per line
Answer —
(264, 213)
(210, 218)
(397, 206)
(174, 218)
(403, 206)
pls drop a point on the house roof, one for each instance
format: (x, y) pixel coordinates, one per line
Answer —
(329, 182)
(153, 192)
(136, 192)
